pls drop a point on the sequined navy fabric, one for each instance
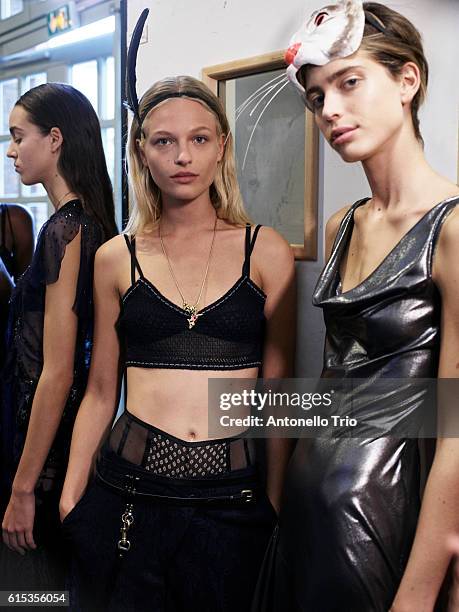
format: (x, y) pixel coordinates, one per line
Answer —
(352, 504)
(228, 333)
(25, 340)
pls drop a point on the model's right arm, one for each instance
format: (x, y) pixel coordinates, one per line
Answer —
(99, 404)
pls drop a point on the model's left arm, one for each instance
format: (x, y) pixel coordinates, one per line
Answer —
(439, 516)
(274, 260)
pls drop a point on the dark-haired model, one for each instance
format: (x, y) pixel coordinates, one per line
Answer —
(354, 536)
(56, 141)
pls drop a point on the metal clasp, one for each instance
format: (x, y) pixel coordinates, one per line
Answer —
(247, 495)
(127, 519)
(124, 544)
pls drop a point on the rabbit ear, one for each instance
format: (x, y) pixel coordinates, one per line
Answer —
(131, 76)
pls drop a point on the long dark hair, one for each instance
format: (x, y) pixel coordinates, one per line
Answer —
(82, 160)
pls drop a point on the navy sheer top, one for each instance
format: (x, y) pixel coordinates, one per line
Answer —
(24, 361)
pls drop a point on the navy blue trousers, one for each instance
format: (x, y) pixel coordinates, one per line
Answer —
(183, 556)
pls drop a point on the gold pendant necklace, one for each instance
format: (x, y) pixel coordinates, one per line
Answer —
(190, 309)
(193, 312)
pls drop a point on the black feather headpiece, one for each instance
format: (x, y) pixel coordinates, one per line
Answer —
(131, 76)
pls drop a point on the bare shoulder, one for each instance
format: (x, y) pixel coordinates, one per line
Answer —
(111, 266)
(112, 256)
(269, 243)
(19, 214)
(449, 235)
(272, 248)
(334, 222)
(447, 252)
(331, 229)
(112, 249)
(273, 260)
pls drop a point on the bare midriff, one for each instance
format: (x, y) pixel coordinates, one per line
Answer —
(176, 401)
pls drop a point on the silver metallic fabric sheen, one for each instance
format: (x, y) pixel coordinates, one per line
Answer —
(351, 505)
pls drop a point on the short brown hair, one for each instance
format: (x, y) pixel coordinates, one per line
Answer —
(400, 44)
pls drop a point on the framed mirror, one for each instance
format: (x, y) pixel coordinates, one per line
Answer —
(276, 143)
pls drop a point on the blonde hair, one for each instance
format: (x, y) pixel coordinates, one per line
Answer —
(225, 194)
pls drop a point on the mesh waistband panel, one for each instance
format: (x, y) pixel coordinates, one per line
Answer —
(160, 453)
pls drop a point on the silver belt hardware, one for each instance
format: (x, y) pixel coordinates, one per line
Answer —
(247, 495)
(127, 518)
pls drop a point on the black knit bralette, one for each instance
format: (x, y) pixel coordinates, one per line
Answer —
(228, 335)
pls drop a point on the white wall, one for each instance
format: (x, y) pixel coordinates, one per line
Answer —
(186, 35)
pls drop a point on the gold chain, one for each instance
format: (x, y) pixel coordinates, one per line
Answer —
(191, 309)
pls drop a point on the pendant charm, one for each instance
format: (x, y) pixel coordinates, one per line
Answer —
(192, 320)
(192, 311)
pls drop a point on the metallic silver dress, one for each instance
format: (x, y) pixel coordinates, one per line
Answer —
(351, 505)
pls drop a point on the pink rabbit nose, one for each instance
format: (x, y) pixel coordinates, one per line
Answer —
(291, 52)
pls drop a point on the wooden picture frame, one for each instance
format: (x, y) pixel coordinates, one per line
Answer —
(216, 77)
